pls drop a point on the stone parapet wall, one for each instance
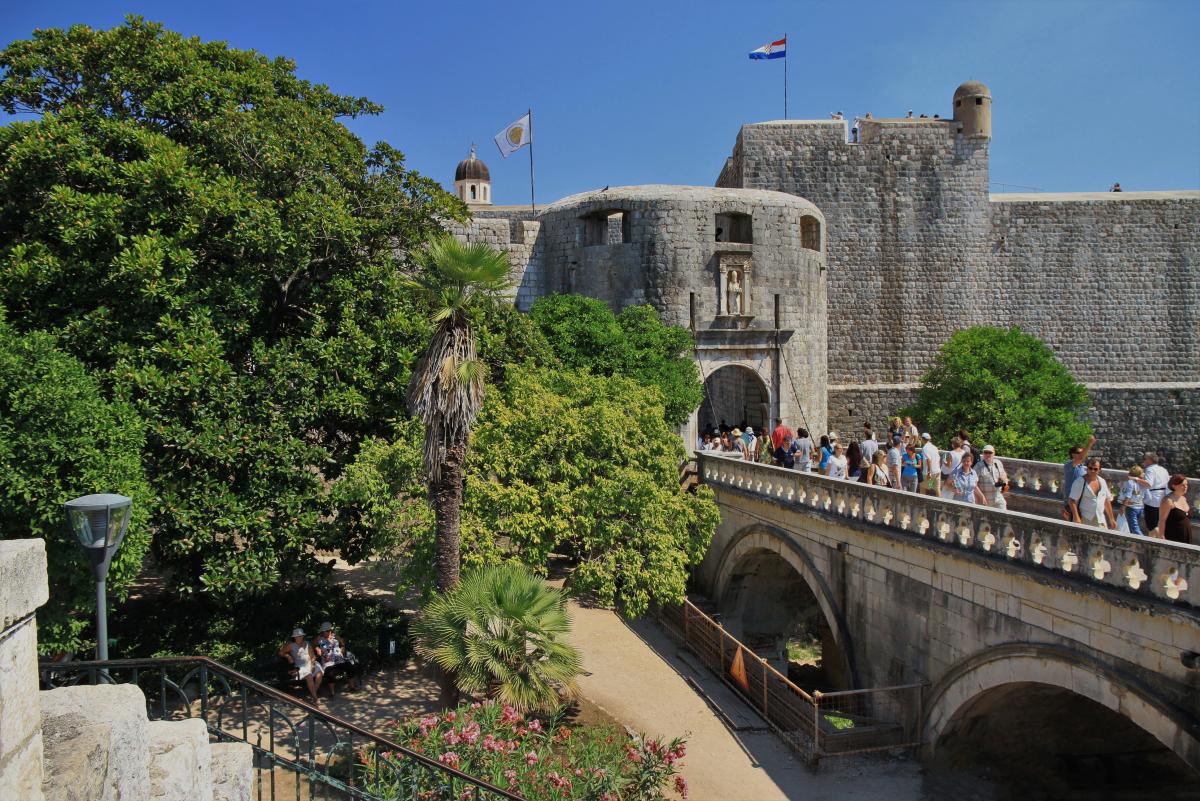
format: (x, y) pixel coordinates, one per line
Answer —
(96, 743)
(514, 234)
(23, 588)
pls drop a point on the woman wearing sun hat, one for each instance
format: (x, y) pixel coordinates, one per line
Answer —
(299, 652)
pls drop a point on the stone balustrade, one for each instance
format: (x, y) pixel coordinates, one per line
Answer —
(1044, 480)
(1141, 565)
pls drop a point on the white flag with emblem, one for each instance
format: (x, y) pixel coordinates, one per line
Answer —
(514, 137)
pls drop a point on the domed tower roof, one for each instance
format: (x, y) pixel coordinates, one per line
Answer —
(971, 88)
(472, 169)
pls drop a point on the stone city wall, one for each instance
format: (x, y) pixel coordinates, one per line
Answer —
(918, 249)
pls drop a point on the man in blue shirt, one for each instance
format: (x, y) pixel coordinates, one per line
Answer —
(1074, 469)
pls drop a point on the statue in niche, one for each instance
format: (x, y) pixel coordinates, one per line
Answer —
(734, 290)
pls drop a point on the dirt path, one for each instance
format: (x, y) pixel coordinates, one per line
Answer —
(637, 675)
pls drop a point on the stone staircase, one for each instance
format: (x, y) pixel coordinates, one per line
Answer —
(93, 743)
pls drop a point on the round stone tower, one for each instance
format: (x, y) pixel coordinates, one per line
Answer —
(973, 108)
(473, 182)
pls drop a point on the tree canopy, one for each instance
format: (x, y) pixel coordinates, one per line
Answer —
(585, 334)
(1006, 388)
(199, 229)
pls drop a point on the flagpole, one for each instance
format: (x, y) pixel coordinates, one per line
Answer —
(532, 201)
(785, 116)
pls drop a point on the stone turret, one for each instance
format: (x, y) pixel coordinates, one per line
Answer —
(973, 108)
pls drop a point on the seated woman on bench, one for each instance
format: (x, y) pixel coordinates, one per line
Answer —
(300, 653)
(335, 657)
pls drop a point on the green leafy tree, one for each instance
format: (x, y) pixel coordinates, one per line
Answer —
(585, 334)
(501, 632)
(447, 386)
(572, 463)
(59, 439)
(198, 227)
(1007, 388)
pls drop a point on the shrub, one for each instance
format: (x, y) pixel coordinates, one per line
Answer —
(1007, 389)
(535, 758)
(501, 632)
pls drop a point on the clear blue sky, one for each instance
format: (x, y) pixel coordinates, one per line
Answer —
(1086, 92)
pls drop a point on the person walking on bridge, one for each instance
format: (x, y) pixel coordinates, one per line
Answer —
(781, 433)
(1174, 523)
(932, 485)
(1156, 477)
(1090, 499)
(1073, 470)
(963, 482)
(992, 479)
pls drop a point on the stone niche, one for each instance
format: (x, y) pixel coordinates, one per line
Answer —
(735, 273)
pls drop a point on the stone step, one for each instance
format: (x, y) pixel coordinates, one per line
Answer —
(95, 743)
(180, 761)
(232, 771)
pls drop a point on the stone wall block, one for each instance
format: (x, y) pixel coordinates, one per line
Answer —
(232, 771)
(96, 743)
(180, 761)
(23, 584)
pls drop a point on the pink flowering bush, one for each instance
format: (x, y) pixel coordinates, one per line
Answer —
(533, 757)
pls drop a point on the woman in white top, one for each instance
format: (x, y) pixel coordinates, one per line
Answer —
(1090, 499)
(299, 652)
(837, 463)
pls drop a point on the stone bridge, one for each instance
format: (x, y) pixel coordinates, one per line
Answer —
(1037, 639)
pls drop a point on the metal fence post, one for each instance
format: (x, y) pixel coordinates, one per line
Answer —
(766, 706)
(816, 696)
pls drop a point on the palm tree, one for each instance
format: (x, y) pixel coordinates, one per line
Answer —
(500, 633)
(447, 386)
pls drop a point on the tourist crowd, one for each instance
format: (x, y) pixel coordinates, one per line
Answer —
(1150, 501)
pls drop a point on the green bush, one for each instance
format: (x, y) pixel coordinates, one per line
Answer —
(1007, 389)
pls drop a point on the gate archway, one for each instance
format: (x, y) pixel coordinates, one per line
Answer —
(737, 396)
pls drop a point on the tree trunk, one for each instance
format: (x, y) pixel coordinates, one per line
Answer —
(447, 508)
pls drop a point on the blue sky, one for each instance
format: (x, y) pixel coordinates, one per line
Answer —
(1085, 93)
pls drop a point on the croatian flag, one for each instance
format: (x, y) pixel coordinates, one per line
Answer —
(772, 50)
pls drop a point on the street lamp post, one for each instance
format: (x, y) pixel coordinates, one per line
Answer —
(98, 523)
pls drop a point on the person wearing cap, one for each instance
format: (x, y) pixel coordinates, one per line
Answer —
(300, 654)
(335, 658)
(932, 485)
(751, 442)
(992, 479)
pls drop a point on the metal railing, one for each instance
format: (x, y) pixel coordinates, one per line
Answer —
(815, 725)
(1149, 567)
(300, 751)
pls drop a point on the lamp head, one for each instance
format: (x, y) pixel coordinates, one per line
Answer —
(98, 523)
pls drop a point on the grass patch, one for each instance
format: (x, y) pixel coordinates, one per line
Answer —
(805, 651)
(840, 723)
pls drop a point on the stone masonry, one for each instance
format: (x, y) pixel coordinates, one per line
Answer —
(910, 247)
(23, 589)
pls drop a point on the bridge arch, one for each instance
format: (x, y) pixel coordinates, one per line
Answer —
(762, 547)
(993, 682)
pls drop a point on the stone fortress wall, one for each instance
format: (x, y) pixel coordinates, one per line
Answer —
(918, 248)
